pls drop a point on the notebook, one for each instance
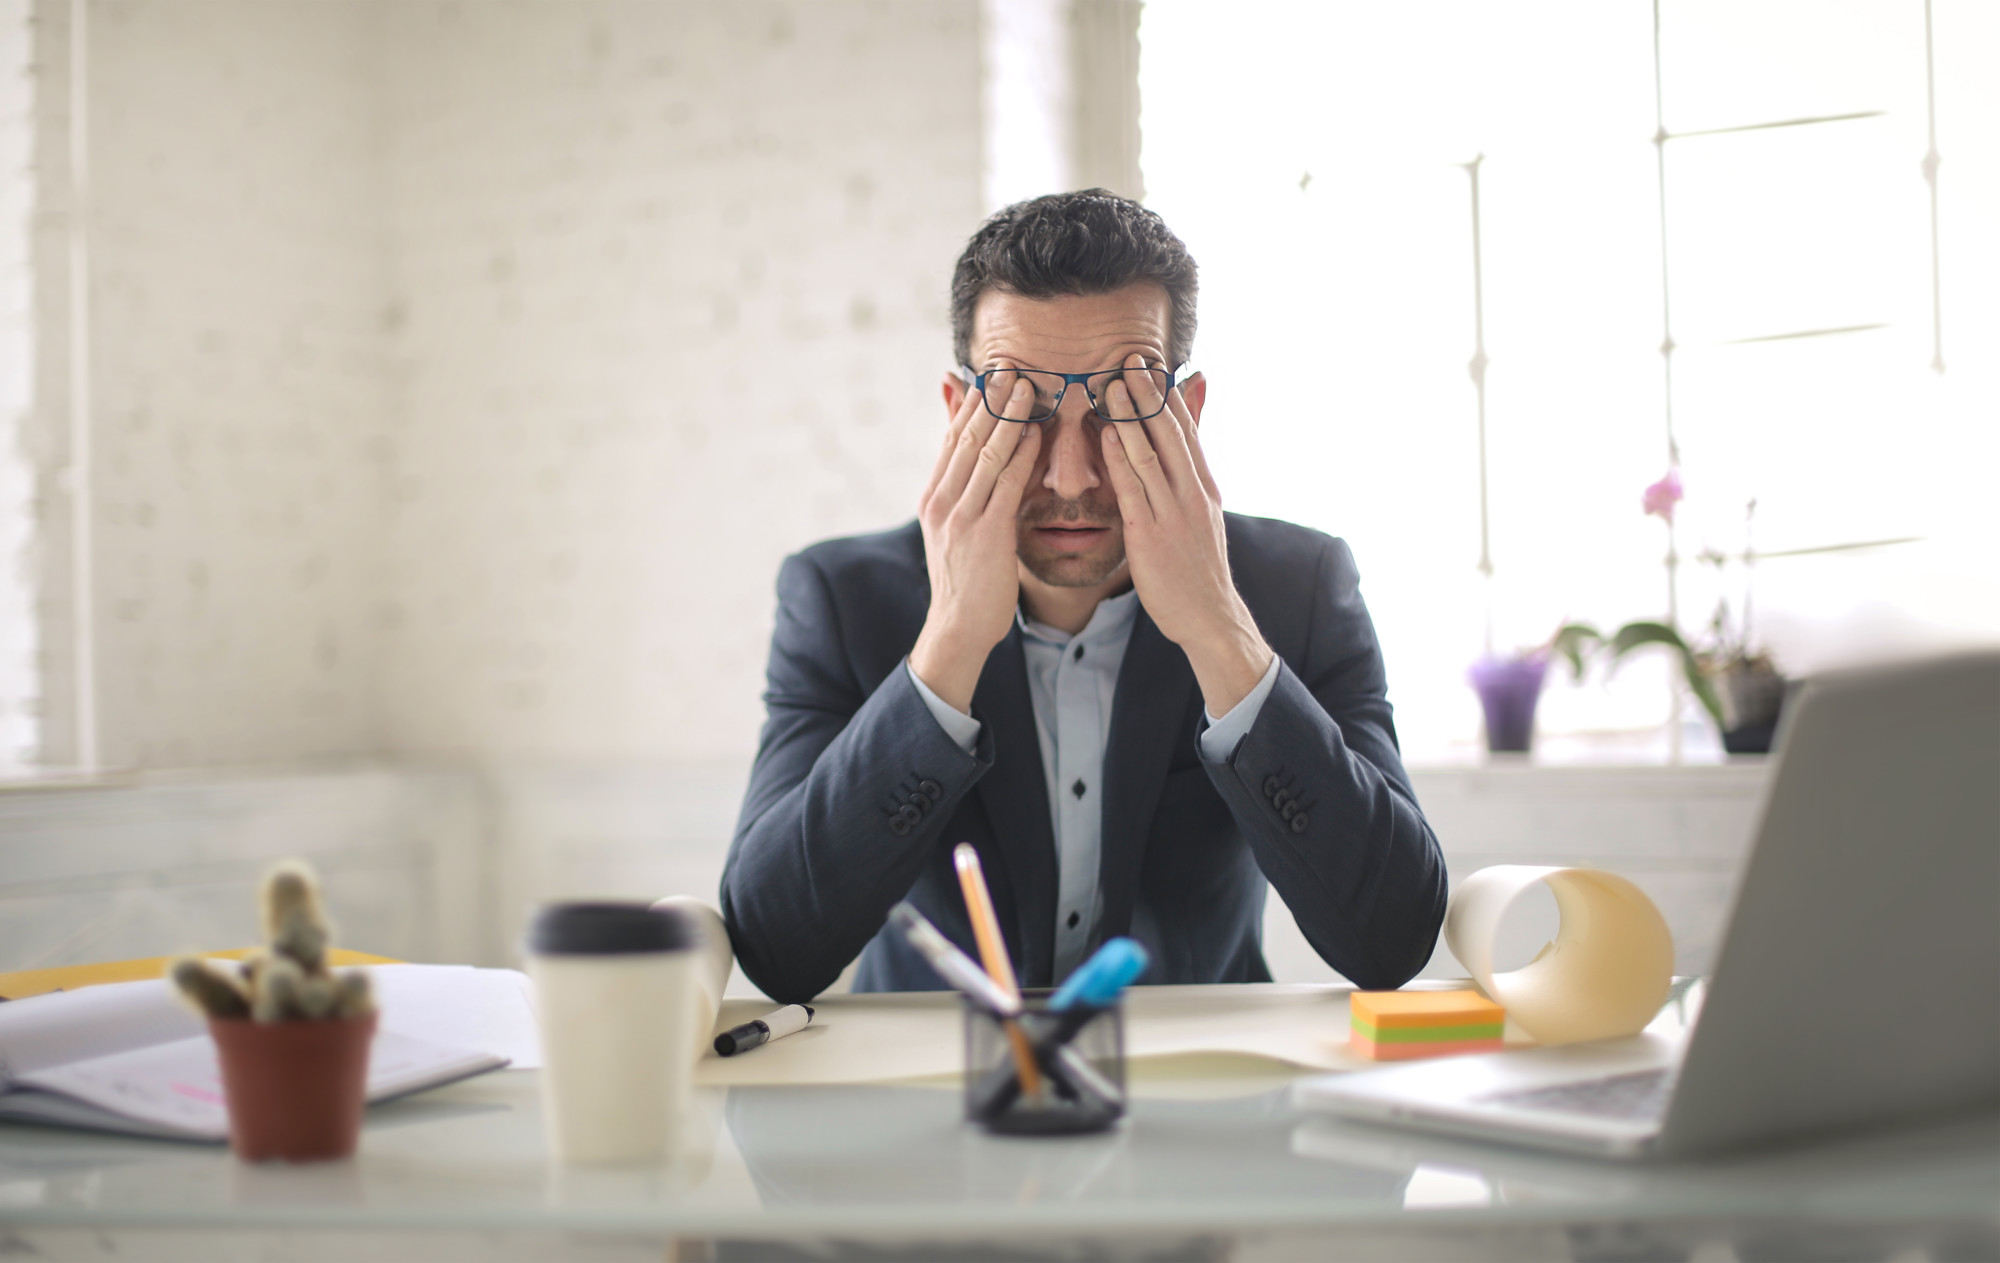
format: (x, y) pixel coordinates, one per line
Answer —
(130, 1058)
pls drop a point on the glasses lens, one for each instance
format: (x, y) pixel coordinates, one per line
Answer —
(1147, 388)
(999, 392)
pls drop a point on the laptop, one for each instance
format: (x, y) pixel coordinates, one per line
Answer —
(1858, 980)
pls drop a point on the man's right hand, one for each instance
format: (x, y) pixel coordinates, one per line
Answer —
(968, 515)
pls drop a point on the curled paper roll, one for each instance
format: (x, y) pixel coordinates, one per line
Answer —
(1605, 974)
(717, 958)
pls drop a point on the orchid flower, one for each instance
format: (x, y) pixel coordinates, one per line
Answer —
(1660, 498)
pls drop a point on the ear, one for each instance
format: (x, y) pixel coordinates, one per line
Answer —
(954, 394)
(1194, 393)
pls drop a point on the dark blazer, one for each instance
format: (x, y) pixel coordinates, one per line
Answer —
(858, 796)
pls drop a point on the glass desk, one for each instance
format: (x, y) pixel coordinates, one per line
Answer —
(1213, 1162)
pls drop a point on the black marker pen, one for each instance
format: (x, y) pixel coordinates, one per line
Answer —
(791, 1018)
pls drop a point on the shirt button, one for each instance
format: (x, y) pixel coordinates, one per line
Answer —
(1078, 655)
(1077, 788)
(1074, 917)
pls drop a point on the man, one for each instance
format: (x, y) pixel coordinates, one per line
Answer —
(1135, 706)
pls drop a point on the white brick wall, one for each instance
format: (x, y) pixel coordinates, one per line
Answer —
(240, 394)
(462, 372)
(674, 278)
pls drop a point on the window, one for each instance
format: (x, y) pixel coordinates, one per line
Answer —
(1320, 161)
(19, 691)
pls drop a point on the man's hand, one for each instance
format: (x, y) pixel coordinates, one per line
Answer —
(1174, 539)
(967, 514)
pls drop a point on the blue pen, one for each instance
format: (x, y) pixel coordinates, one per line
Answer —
(1098, 981)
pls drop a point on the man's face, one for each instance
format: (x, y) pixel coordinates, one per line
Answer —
(1069, 534)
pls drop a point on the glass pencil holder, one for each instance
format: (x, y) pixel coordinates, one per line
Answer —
(1077, 1080)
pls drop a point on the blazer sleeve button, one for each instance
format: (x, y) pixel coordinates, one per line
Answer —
(1299, 823)
(1270, 787)
(932, 790)
(898, 825)
(909, 815)
(1290, 810)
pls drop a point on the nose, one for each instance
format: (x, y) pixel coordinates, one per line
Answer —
(1069, 444)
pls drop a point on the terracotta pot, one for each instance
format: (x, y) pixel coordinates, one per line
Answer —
(295, 1089)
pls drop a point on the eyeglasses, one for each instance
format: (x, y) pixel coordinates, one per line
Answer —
(996, 387)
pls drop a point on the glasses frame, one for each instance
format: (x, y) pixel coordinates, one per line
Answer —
(977, 381)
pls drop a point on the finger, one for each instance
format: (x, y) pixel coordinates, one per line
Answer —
(960, 418)
(996, 452)
(978, 430)
(1012, 483)
(1133, 506)
(1138, 450)
(1185, 415)
(1164, 428)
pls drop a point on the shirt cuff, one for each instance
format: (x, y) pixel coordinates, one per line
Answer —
(963, 728)
(1221, 735)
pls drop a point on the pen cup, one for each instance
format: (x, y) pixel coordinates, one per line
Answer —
(1080, 1053)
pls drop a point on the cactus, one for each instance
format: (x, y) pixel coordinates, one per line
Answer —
(215, 992)
(294, 923)
(288, 979)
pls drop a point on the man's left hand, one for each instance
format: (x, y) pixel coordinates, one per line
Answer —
(1174, 539)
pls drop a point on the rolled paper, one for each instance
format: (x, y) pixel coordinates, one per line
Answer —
(1604, 975)
(712, 969)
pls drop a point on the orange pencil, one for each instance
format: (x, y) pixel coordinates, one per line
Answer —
(993, 954)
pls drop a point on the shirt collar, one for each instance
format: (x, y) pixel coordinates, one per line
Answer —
(1113, 616)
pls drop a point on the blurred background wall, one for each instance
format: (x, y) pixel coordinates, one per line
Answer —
(411, 402)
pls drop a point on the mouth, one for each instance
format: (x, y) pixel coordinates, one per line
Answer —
(1070, 539)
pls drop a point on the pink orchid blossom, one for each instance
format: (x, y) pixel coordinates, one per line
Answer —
(1662, 496)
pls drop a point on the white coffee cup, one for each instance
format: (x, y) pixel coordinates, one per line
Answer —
(615, 995)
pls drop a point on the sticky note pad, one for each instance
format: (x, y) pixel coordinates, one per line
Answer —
(1405, 1025)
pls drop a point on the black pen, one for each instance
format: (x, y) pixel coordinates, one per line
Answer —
(788, 1020)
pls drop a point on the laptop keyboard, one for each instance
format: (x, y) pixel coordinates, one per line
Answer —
(1640, 1095)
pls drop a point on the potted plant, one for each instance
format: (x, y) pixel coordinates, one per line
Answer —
(1508, 689)
(292, 1036)
(1735, 682)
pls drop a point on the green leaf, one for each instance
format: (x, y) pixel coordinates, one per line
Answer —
(1636, 634)
(1570, 640)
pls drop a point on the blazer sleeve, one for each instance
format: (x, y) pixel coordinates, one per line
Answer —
(1317, 786)
(851, 789)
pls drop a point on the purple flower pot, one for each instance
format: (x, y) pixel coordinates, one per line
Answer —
(1508, 689)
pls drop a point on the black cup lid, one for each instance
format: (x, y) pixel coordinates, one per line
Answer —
(608, 929)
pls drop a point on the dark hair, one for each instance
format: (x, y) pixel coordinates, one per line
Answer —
(1088, 242)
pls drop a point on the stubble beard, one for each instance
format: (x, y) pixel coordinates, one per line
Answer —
(1071, 570)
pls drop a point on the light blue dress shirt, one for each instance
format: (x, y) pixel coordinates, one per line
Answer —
(1072, 682)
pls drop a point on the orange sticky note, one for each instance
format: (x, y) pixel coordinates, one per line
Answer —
(1406, 1025)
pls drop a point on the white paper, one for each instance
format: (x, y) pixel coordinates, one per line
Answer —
(178, 1085)
(487, 1011)
(1605, 974)
(457, 1006)
(887, 1037)
(64, 1026)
